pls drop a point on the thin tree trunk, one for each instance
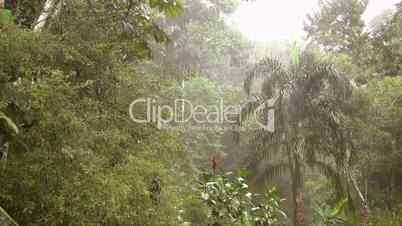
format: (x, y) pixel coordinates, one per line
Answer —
(5, 219)
(50, 8)
(364, 203)
(390, 190)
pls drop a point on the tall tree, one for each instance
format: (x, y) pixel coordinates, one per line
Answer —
(338, 25)
(78, 159)
(310, 97)
(386, 34)
(222, 54)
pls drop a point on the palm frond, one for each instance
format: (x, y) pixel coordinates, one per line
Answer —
(338, 83)
(267, 69)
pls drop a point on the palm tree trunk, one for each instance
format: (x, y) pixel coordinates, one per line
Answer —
(297, 188)
(298, 195)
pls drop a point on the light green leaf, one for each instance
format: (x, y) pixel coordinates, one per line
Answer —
(6, 17)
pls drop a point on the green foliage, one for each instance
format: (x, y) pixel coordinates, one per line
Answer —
(72, 156)
(26, 12)
(6, 17)
(170, 7)
(338, 25)
(84, 162)
(330, 216)
(386, 43)
(221, 57)
(231, 203)
(386, 217)
(202, 91)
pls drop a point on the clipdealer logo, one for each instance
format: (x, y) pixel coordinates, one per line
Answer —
(184, 113)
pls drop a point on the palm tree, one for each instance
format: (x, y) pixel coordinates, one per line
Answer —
(310, 99)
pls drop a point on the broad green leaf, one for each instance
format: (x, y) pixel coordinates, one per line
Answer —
(338, 208)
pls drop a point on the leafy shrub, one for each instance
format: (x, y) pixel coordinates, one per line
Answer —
(231, 203)
(330, 216)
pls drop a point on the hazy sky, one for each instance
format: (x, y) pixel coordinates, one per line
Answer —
(262, 20)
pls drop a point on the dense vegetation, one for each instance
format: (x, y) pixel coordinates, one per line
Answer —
(70, 153)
